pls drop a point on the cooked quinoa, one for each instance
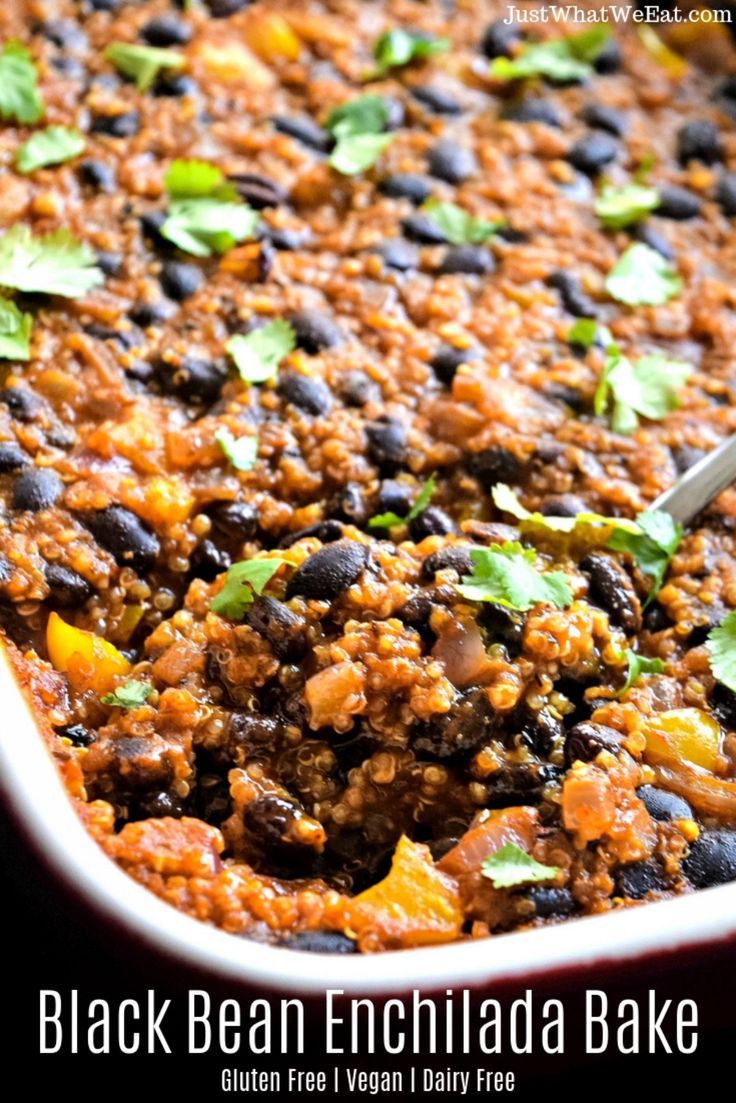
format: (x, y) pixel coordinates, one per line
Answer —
(422, 716)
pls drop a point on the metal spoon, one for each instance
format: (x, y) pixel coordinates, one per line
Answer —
(700, 484)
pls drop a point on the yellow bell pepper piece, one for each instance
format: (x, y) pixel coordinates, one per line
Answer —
(688, 735)
(269, 35)
(88, 661)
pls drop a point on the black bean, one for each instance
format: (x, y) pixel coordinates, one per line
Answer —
(395, 113)
(451, 162)
(637, 879)
(66, 587)
(644, 232)
(110, 263)
(124, 125)
(305, 130)
(105, 5)
(329, 571)
(566, 393)
(194, 379)
(284, 240)
(686, 456)
(274, 621)
(436, 99)
(311, 395)
(399, 254)
(106, 333)
(656, 619)
(699, 140)
(97, 175)
(432, 521)
(406, 185)
(550, 902)
(677, 203)
(562, 505)
(727, 87)
(36, 488)
(166, 30)
(586, 740)
(349, 505)
(532, 110)
(467, 259)
(207, 560)
(321, 942)
(447, 359)
(574, 299)
(222, 9)
(151, 223)
(258, 191)
(495, 465)
(726, 194)
(420, 228)
(723, 704)
(12, 457)
(591, 153)
(608, 59)
(23, 404)
(611, 586)
(236, 519)
(314, 330)
(394, 497)
(498, 38)
(180, 280)
(457, 733)
(662, 805)
(174, 85)
(151, 314)
(602, 117)
(69, 66)
(155, 805)
(77, 734)
(386, 443)
(512, 235)
(415, 612)
(124, 535)
(358, 389)
(327, 531)
(448, 559)
(711, 859)
(64, 34)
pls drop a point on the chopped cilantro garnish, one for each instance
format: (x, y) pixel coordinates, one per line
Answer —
(205, 213)
(642, 277)
(505, 499)
(558, 59)
(52, 264)
(619, 207)
(51, 146)
(510, 865)
(636, 666)
(505, 574)
(19, 96)
(459, 227)
(242, 581)
(398, 47)
(721, 645)
(652, 548)
(142, 63)
(257, 355)
(241, 451)
(422, 500)
(358, 152)
(357, 128)
(15, 332)
(582, 333)
(131, 695)
(647, 386)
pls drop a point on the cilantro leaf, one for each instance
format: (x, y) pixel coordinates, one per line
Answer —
(582, 333)
(52, 264)
(131, 695)
(619, 207)
(559, 59)
(721, 645)
(505, 574)
(422, 500)
(257, 355)
(15, 332)
(142, 63)
(242, 581)
(648, 386)
(637, 665)
(642, 277)
(459, 227)
(205, 213)
(504, 498)
(192, 179)
(358, 152)
(399, 46)
(51, 146)
(357, 128)
(241, 451)
(652, 548)
(19, 96)
(510, 865)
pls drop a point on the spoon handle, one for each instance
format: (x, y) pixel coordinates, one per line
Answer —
(700, 484)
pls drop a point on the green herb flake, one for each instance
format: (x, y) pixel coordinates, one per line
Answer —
(510, 865)
(15, 332)
(647, 386)
(52, 264)
(398, 47)
(205, 213)
(357, 128)
(51, 146)
(642, 277)
(559, 59)
(20, 99)
(358, 152)
(652, 548)
(721, 646)
(505, 499)
(459, 227)
(257, 355)
(636, 666)
(242, 582)
(582, 333)
(131, 695)
(619, 207)
(505, 574)
(142, 63)
(422, 500)
(241, 451)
